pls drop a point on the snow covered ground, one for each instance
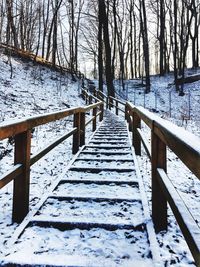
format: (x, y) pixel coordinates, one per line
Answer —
(36, 90)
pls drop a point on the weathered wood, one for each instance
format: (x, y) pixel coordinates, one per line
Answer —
(22, 125)
(10, 175)
(189, 227)
(102, 111)
(136, 124)
(116, 108)
(47, 149)
(22, 181)
(184, 144)
(90, 99)
(145, 143)
(82, 128)
(117, 100)
(94, 123)
(159, 202)
(76, 136)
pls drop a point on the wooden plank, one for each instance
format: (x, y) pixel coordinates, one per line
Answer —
(184, 144)
(94, 123)
(89, 121)
(22, 125)
(64, 225)
(100, 169)
(159, 203)
(188, 226)
(104, 159)
(99, 182)
(136, 124)
(119, 101)
(10, 175)
(82, 128)
(145, 143)
(22, 181)
(48, 148)
(76, 136)
(96, 199)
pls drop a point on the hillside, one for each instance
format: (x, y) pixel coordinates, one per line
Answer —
(36, 90)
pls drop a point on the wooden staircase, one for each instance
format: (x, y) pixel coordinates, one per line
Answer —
(94, 215)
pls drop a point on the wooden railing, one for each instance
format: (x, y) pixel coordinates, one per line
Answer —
(21, 131)
(186, 146)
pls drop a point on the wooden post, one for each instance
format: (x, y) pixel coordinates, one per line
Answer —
(126, 112)
(82, 128)
(90, 99)
(94, 123)
(22, 182)
(136, 138)
(159, 203)
(102, 110)
(116, 107)
(130, 120)
(76, 135)
(83, 93)
(107, 102)
(110, 103)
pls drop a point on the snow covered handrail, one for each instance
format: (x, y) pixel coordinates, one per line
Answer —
(21, 131)
(187, 147)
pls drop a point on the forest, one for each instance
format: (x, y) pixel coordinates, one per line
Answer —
(117, 39)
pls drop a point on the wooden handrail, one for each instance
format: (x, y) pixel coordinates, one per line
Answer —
(22, 125)
(20, 129)
(187, 147)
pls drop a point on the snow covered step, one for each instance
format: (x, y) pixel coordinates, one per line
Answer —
(76, 247)
(109, 153)
(107, 149)
(110, 146)
(103, 164)
(105, 137)
(109, 142)
(117, 182)
(102, 176)
(117, 135)
(113, 131)
(97, 169)
(100, 157)
(97, 190)
(91, 211)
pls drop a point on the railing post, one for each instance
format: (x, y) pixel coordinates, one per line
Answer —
(94, 123)
(107, 102)
(110, 102)
(136, 138)
(83, 93)
(76, 135)
(159, 203)
(82, 128)
(116, 107)
(22, 182)
(90, 99)
(102, 110)
(126, 112)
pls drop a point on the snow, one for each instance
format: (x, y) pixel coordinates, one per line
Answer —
(174, 250)
(35, 90)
